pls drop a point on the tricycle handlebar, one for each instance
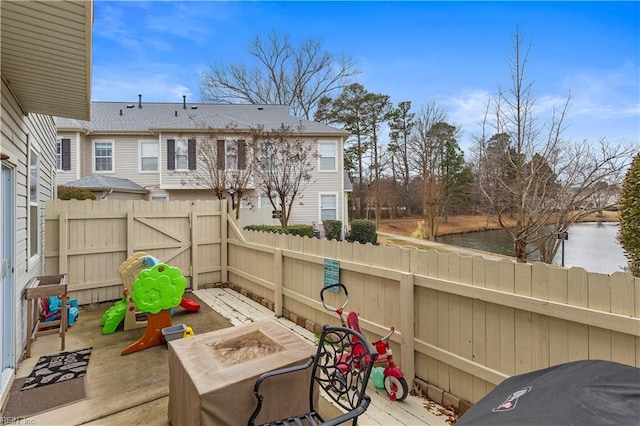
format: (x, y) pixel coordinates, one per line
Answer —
(389, 334)
(336, 288)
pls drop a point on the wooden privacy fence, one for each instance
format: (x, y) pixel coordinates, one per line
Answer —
(88, 240)
(463, 323)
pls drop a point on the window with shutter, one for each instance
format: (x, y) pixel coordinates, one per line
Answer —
(231, 155)
(182, 154)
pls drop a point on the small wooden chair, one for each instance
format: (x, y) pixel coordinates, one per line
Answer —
(341, 368)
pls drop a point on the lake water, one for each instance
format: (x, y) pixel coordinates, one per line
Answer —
(592, 246)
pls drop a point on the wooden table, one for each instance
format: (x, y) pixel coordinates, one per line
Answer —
(45, 286)
(211, 375)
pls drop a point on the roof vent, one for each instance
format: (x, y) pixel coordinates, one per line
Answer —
(176, 113)
(194, 106)
(130, 106)
(184, 101)
(120, 112)
(260, 108)
(139, 101)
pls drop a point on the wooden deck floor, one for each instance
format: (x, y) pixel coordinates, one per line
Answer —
(240, 310)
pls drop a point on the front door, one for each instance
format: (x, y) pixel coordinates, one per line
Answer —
(7, 283)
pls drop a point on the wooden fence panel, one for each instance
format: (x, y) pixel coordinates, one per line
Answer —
(469, 322)
(475, 321)
(90, 239)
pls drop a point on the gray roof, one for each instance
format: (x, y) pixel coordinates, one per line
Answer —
(348, 186)
(101, 183)
(153, 117)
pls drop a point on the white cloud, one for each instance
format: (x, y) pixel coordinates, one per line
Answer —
(467, 108)
(601, 94)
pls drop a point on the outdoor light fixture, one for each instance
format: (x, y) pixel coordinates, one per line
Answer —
(4, 156)
(563, 235)
(232, 191)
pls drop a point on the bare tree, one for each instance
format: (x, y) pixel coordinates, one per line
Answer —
(530, 173)
(586, 172)
(224, 164)
(284, 74)
(423, 157)
(284, 162)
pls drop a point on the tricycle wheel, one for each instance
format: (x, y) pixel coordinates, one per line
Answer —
(397, 385)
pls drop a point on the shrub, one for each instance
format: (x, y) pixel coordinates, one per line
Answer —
(332, 229)
(363, 232)
(73, 193)
(301, 230)
(274, 229)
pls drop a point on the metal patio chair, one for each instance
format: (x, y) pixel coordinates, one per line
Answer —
(341, 367)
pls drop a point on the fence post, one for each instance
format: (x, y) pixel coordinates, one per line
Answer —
(193, 219)
(63, 239)
(224, 247)
(407, 358)
(277, 282)
(130, 236)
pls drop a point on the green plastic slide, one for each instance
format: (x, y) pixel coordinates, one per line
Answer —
(113, 316)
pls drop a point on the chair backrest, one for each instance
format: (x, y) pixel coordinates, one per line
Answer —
(343, 364)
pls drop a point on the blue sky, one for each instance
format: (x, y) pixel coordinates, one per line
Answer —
(454, 53)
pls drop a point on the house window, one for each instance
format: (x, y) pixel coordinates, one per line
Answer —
(327, 157)
(328, 207)
(181, 154)
(231, 154)
(264, 201)
(103, 156)
(148, 156)
(34, 218)
(63, 154)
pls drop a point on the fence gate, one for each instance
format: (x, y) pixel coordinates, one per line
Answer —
(88, 240)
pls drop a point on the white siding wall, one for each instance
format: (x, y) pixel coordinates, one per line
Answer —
(126, 159)
(177, 179)
(66, 176)
(18, 131)
(306, 209)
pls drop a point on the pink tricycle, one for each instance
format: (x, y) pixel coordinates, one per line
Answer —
(394, 382)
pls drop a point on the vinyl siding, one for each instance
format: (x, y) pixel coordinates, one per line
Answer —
(66, 176)
(321, 182)
(173, 179)
(17, 131)
(126, 160)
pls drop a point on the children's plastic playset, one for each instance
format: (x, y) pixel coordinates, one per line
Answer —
(152, 290)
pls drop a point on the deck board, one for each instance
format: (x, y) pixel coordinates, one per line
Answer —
(239, 309)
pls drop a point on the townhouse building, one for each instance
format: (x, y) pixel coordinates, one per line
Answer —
(153, 151)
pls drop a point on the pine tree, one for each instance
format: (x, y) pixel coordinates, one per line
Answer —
(629, 234)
